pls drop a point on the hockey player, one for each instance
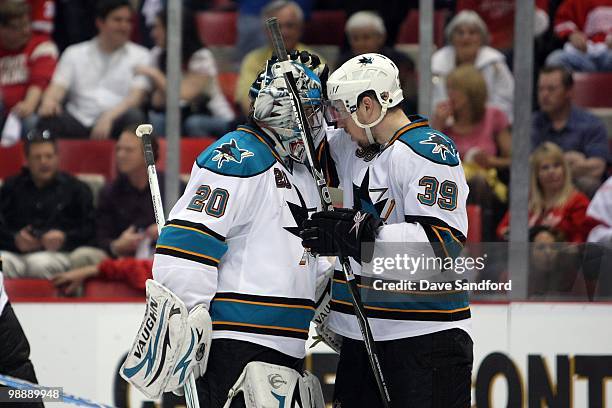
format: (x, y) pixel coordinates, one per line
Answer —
(14, 345)
(403, 182)
(231, 249)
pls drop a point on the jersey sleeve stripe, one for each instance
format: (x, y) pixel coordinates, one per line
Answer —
(206, 260)
(191, 241)
(197, 226)
(446, 241)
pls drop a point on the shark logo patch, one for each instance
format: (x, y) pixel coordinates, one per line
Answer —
(229, 152)
(363, 61)
(441, 145)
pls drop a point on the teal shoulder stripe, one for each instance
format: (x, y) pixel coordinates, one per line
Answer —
(262, 315)
(432, 145)
(237, 154)
(187, 239)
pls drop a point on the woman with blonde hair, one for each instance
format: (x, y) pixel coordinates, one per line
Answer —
(482, 136)
(553, 199)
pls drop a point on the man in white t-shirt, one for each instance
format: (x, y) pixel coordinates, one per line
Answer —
(96, 80)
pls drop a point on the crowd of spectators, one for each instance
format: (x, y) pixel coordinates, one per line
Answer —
(91, 69)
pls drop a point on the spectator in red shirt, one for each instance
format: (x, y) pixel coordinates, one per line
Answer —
(27, 62)
(553, 199)
(586, 26)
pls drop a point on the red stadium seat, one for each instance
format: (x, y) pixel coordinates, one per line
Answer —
(217, 27)
(95, 288)
(474, 213)
(227, 82)
(11, 160)
(590, 89)
(190, 149)
(325, 27)
(29, 288)
(87, 156)
(409, 30)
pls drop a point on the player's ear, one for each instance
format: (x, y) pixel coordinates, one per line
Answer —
(369, 105)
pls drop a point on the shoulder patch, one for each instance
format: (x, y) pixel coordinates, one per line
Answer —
(237, 154)
(431, 144)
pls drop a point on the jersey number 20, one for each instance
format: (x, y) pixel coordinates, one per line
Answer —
(215, 202)
(444, 194)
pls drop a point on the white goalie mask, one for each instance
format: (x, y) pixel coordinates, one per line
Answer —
(273, 110)
(363, 73)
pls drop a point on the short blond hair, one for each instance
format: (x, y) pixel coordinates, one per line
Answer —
(467, 79)
(548, 151)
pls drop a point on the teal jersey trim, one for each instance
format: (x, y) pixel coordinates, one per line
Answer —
(259, 315)
(192, 241)
(404, 301)
(240, 153)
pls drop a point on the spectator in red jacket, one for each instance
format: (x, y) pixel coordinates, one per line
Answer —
(27, 63)
(586, 26)
(553, 199)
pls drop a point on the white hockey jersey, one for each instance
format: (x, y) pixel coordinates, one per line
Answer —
(417, 186)
(3, 295)
(232, 243)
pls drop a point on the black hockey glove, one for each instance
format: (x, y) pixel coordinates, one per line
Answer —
(340, 232)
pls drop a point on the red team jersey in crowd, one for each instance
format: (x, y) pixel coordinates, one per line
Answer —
(19, 69)
(592, 17)
(43, 12)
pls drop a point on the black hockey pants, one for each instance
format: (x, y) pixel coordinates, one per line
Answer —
(429, 371)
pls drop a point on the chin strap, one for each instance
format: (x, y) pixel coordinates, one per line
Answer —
(369, 126)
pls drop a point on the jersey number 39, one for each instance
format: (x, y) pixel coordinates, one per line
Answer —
(444, 194)
(213, 203)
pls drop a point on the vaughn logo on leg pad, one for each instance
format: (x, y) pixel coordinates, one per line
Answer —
(168, 343)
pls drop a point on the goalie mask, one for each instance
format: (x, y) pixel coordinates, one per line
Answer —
(360, 74)
(273, 110)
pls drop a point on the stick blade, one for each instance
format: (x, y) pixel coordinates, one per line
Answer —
(144, 129)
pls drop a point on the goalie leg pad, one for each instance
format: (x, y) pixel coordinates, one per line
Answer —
(267, 385)
(170, 344)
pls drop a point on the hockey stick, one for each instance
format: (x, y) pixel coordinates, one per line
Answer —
(19, 384)
(144, 132)
(326, 202)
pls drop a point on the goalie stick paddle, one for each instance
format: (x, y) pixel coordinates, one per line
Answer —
(144, 132)
(19, 384)
(317, 172)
